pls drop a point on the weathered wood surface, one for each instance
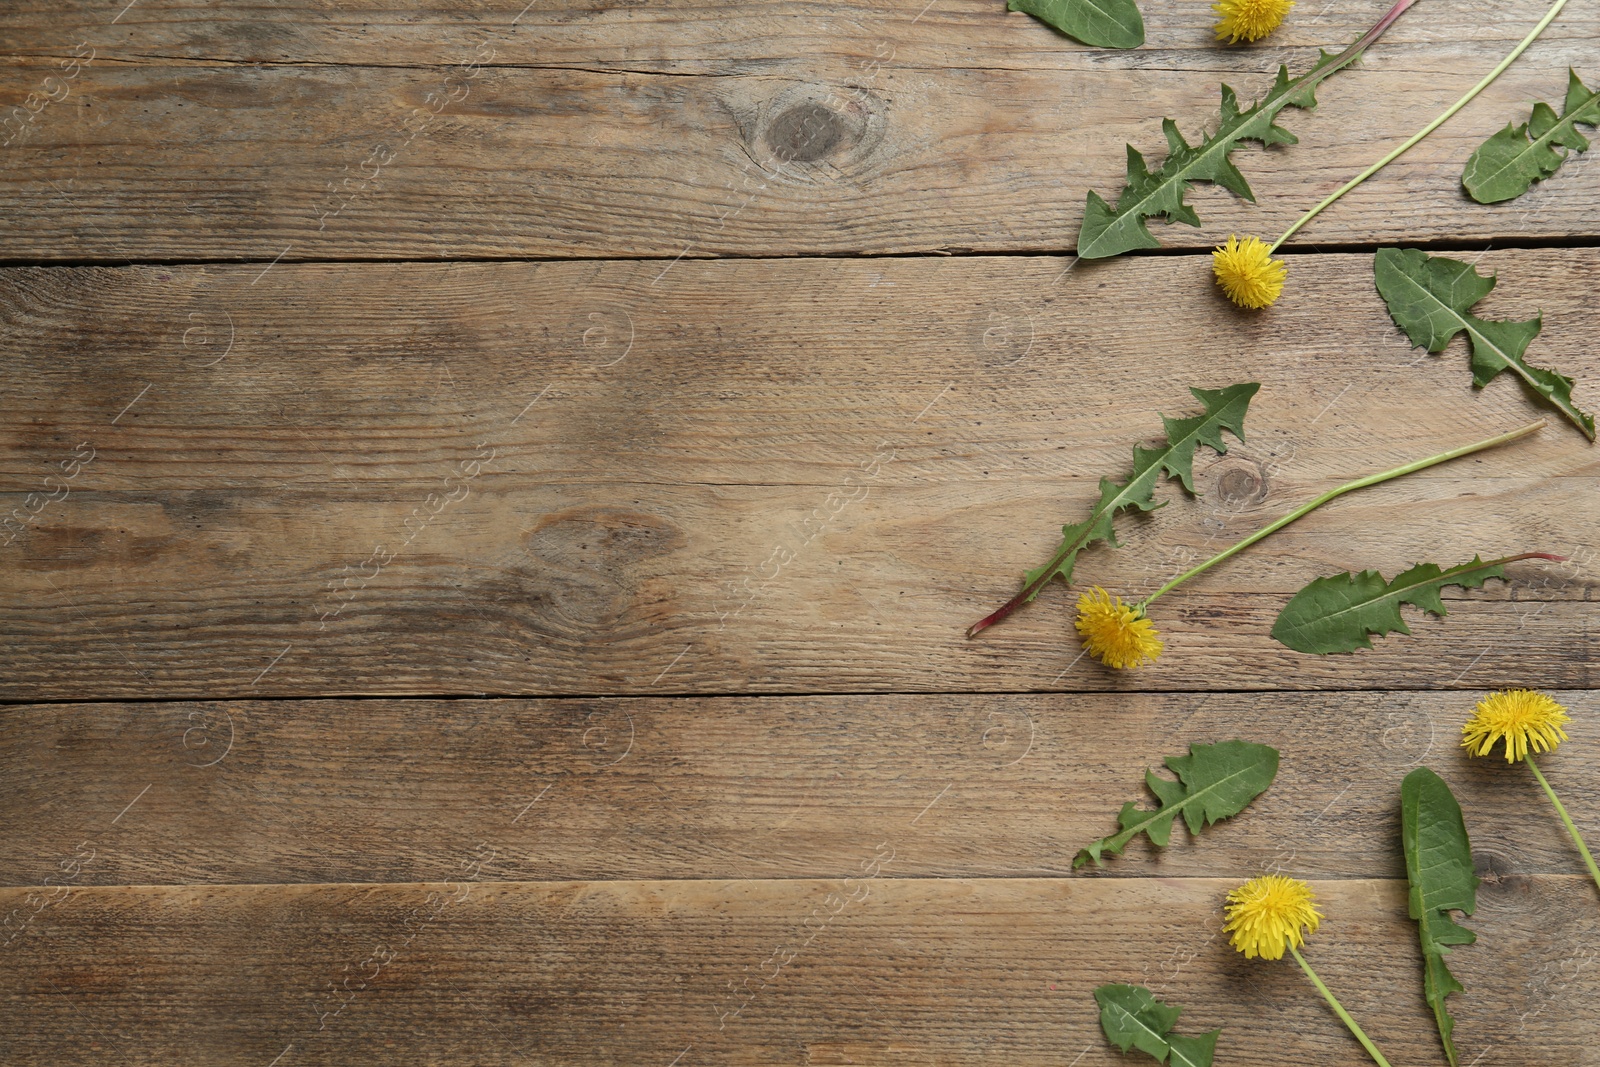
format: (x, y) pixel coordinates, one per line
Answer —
(308, 131)
(742, 788)
(688, 37)
(717, 526)
(753, 476)
(874, 970)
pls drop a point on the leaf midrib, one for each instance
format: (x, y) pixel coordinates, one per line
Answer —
(1263, 110)
(1124, 496)
(1465, 322)
(1109, 16)
(1177, 1053)
(1391, 591)
(1191, 440)
(1433, 951)
(1173, 809)
(1133, 213)
(1435, 994)
(1569, 120)
(1146, 1027)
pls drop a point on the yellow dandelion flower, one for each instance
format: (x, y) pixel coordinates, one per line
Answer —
(1114, 633)
(1248, 273)
(1249, 20)
(1265, 916)
(1523, 717)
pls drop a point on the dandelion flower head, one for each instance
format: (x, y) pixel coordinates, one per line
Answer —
(1247, 272)
(1524, 718)
(1266, 914)
(1114, 633)
(1248, 20)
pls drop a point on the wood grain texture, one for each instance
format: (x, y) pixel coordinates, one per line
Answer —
(742, 788)
(754, 476)
(298, 130)
(877, 969)
(696, 37)
(647, 540)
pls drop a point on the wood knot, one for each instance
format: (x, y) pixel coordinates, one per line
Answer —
(1497, 872)
(1242, 483)
(588, 562)
(805, 133)
(807, 126)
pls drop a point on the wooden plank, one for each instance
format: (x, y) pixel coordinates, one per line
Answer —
(694, 37)
(739, 788)
(768, 476)
(692, 131)
(880, 969)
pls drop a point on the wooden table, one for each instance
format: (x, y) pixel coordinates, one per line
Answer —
(532, 472)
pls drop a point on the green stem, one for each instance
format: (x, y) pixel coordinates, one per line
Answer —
(1312, 505)
(1338, 1009)
(1577, 839)
(1533, 34)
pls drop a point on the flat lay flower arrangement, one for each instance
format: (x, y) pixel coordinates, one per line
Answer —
(1430, 299)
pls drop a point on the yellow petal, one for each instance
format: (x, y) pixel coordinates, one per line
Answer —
(1265, 916)
(1247, 272)
(1523, 718)
(1249, 20)
(1114, 633)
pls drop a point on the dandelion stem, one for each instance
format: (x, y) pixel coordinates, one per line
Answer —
(1338, 1009)
(1577, 838)
(1533, 34)
(1359, 483)
(1351, 54)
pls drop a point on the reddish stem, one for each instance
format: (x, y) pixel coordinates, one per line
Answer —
(1011, 605)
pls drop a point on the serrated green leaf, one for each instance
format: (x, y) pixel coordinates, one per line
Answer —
(1224, 410)
(1108, 231)
(1429, 297)
(1439, 870)
(1505, 165)
(1214, 782)
(1102, 23)
(1337, 613)
(1132, 1017)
